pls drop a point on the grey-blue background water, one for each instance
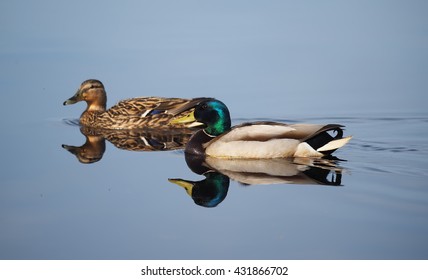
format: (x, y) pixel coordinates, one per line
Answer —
(363, 64)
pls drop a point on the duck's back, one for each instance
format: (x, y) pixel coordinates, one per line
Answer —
(145, 106)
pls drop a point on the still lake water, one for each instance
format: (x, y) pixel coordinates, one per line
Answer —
(123, 207)
(277, 61)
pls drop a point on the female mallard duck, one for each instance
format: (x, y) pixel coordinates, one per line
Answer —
(258, 139)
(141, 112)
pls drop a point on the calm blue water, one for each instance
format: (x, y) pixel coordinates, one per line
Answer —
(360, 64)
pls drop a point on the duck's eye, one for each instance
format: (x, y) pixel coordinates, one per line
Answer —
(204, 106)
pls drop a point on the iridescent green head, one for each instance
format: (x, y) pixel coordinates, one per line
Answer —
(215, 115)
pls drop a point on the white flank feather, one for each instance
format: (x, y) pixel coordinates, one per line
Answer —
(143, 115)
(145, 141)
(335, 144)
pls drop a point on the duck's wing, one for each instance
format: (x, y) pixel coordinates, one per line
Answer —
(263, 131)
(150, 106)
(149, 112)
(176, 109)
(143, 106)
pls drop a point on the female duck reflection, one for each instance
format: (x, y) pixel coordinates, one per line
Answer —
(212, 190)
(132, 140)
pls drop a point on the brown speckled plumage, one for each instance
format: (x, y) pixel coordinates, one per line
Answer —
(134, 113)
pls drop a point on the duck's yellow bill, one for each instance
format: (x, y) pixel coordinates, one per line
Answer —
(187, 185)
(186, 119)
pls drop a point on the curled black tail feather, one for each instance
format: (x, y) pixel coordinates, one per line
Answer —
(324, 136)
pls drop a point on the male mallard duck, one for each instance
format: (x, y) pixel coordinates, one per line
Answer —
(258, 139)
(141, 112)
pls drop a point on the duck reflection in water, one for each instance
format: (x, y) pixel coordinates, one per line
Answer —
(212, 190)
(132, 140)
